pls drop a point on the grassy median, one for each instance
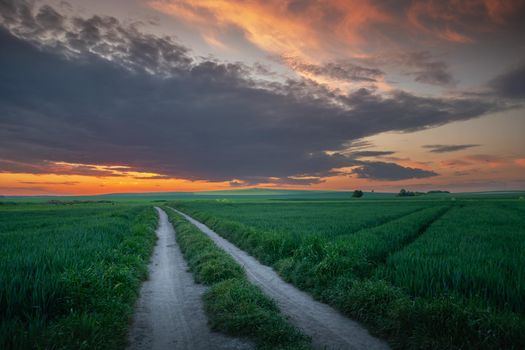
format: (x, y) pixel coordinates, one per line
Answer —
(233, 305)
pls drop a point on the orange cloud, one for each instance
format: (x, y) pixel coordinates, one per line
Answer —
(455, 164)
(312, 31)
(319, 32)
(487, 160)
(483, 160)
(499, 10)
(456, 20)
(520, 162)
(299, 29)
(456, 37)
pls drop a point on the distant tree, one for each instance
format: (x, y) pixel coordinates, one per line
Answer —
(357, 194)
(405, 193)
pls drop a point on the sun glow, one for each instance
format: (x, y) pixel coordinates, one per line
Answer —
(84, 179)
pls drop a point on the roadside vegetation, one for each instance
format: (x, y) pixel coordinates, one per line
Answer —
(69, 275)
(233, 305)
(423, 274)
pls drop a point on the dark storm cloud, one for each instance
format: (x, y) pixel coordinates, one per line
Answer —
(99, 92)
(101, 36)
(38, 167)
(511, 84)
(390, 171)
(49, 19)
(448, 148)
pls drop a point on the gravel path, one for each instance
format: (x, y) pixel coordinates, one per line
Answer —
(327, 327)
(169, 313)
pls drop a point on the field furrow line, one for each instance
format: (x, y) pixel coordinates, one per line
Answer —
(410, 239)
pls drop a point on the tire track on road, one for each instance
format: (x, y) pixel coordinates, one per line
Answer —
(169, 313)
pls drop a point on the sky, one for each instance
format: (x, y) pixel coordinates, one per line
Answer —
(107, 96)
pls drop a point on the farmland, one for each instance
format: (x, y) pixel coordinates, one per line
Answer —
(424, 274)
(437, 272)
(69, 274)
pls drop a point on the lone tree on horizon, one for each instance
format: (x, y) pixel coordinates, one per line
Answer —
(357, 194)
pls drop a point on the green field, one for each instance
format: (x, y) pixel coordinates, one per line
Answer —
(69, 274)
(431, 272)
(442, 273)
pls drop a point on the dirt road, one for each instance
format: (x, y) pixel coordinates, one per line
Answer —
(169, 313)
(328, 328)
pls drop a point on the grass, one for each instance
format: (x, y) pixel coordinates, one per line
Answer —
(480, 259)
(69, 275)
(294, 219)
(423, 274)
(233, 305)
(317, 264)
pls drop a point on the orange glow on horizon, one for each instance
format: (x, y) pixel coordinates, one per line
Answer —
(44, 184)
(89, 179)
(54, 184)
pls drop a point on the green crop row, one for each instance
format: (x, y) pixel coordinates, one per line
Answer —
(298, 220)
(477, 252)
(69, 276)
(318, 264)
(233, 305)
(346, 271)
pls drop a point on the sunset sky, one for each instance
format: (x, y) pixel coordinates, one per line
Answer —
(106, 96)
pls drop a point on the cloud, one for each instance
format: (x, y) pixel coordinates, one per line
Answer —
(102, 93)
(255, 180)
(422, 65)
(336, 70)
(390, 171)
(448, 148)
(520, 162)
(487, 160)
(426, 69)
(483, 160)
(452, 163)
(307, 28)
(30, 189)
(298, 28)
(100, 36)
(510, 84)
(65, 183)
(154, 177)
(462, 21)
(38, 166)
(363, 154)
